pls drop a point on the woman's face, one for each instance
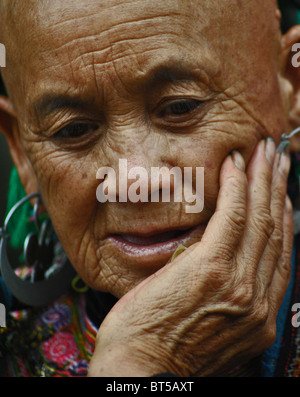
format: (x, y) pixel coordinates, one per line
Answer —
(158, 83)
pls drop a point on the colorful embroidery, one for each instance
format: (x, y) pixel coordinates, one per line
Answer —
(60, 348)
(57, 341)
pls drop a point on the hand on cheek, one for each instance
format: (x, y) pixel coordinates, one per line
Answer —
(222, 294)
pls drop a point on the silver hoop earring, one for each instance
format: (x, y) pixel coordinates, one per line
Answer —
(46, 284)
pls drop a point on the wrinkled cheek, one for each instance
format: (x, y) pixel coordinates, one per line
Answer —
(210, 154)
(69, 194)
(111, 272)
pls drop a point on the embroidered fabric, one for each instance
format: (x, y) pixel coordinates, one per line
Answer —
(58, 340)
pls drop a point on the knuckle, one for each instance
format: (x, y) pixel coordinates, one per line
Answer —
(269, 336)
(214, 280)
(264, 224)
(222, 253)
(279, 191)
(268, 224)
(285, 270)
(220, 257)
(236, 219)
(276, 242)
(279, 188)
(277, 238)
(241, 297)
(261, 314)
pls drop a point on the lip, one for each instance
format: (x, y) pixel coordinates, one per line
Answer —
(154, 249)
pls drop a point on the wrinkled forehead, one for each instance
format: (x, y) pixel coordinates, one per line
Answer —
(42, 36)
(35, 20)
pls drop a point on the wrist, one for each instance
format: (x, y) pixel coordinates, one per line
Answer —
(122, 361)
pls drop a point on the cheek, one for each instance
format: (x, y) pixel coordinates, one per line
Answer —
(68, 188)
(210, 152)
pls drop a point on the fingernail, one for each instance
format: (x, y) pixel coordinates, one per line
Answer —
(270, 150)
(178, 251)
(284, 164)
(238, 160)
(288, 204)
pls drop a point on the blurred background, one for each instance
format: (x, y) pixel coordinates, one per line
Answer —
(5, 168)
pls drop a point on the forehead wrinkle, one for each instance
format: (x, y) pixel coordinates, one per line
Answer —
(126, 39)
(169, 71)
(174, 6)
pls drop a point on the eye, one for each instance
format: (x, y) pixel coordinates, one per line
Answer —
(179, 107)
(76, 130)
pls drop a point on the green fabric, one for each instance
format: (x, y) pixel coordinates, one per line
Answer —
(290, 13)
(19, 226)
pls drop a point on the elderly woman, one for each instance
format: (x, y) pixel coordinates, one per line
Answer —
(176, 83)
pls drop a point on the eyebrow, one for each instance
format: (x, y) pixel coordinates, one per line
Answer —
(50, 103)
(172, 73)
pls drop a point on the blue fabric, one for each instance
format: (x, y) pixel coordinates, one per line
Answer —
(5, 295)
(270, 357)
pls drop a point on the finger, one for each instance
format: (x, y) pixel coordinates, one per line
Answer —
(224, 229)
(259, 223)
(281, 171)
(274, 247)
(226, 226)
(281, 277)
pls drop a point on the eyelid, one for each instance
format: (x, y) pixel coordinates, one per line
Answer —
(77, 143)
(172, 100)
(167, 103)
(90, 126)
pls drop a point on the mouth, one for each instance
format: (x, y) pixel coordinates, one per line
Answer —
(153, 239)
(155, 248)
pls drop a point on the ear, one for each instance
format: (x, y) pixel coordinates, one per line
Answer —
(291, 52)
(10, 128)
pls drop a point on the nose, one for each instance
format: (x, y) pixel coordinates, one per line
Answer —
(134, 181)
(137, 180)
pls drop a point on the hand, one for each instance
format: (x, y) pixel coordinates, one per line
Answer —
(216, 304)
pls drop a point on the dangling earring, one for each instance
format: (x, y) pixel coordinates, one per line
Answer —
(46, 283)
(285, 143)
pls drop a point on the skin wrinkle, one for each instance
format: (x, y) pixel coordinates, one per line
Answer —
(95, 76)
(109, 32)
(101, 73)
(108, 63)
(81, 19)
(115, 69)
(251, 115)
(200, 84)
